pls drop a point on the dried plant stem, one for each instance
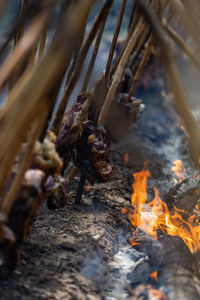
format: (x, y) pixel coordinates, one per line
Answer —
(75, 73)
(118, 74)
(42, 43)
(13, 129)
(24, 47)
(187, 20)
(32, 58)
(24, 164)
(114, 40)
(170, 14)
(2, 5)
(20, 29)
(140, 69)
(173, 77)
(140, 45)
(94, 54)
(193, 8)
(181, 43)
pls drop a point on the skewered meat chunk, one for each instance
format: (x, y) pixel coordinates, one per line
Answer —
(92, 154)
(71, 127)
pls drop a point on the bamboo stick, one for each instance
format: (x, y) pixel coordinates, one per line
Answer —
(173, 77)
(25, 163)
(114, 40)
(79, 65)
(27, 12)
(20, 29)
(13, 130)
(140, 69)
(181, 43)
(24, 47)
(94, 55)
(42, 43)
(187, 20)
(118, 74)
(2, 5)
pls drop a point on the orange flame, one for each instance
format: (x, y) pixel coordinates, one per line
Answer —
(126, 159)
(88, 187)
(149, 217)
(154, 294)
(184, 130)
(154, 275)
(124, 210)
(179, 169)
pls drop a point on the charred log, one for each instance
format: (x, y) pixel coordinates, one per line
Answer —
(174, 264)
(179, 194)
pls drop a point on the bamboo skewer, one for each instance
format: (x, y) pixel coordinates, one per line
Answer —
(181, 43)
(42, 77)
(140, 69)
(173, 77)
(2, 5)
(42, 43)
(79, 65)
(118, 74)
(25, 163)
(22, 50)
(94, 55)
(114, 40)
(187, 20)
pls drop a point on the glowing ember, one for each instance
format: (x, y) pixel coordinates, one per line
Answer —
(179, 169)
(88, 187)
(154, 275)
(124, 210)
(126, 159)
(184, 130)
(154, 294)
(149, 217)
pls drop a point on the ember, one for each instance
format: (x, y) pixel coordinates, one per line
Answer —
(154, 294)
(126, 159)
(154, 275)
(88, 187)
(179, 169)
(155, 215)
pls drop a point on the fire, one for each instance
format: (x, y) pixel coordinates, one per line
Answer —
(149, 217)
(88, 187)
(184, 130)
(179, 169)
(154, 275)
(124, 210)
(126, 159)
(154, 294)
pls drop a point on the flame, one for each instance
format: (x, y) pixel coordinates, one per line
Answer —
(154, 275)
(88, 187)
(124, 210)
(154, 294)
(149, 217)
(179, 169)
(184, 130)
(126, 159)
